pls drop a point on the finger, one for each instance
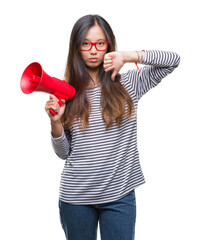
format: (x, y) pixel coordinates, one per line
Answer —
(52, 104)
(54, 101)
(109, 69)
(108, 61)
(63, 101)
(53, 97)
(107, 56)
(47, 105)
(107, 65)
(53, 107)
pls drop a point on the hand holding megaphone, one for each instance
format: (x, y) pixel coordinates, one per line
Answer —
(34, 78)
(52, 104)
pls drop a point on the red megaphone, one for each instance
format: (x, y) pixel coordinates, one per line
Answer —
(34, 78)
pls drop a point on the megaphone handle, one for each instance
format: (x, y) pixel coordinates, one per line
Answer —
(52, 111)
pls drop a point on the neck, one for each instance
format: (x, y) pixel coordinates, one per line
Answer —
(94, 76)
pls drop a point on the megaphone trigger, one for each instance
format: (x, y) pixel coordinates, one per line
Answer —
(59, 102)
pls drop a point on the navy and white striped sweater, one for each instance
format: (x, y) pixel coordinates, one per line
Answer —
(103, 165)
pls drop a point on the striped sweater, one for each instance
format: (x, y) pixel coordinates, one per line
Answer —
(103, 165)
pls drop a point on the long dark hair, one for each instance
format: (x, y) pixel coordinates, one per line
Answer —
(114, 95)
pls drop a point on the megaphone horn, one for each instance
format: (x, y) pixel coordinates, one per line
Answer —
(34, 78)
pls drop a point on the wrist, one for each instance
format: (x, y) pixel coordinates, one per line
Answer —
(141, 56)
(134, 56)
(129, 56)
(55, 122)
(56, 128)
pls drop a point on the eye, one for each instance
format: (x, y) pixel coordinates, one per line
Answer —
(85, 44)
(101, 44)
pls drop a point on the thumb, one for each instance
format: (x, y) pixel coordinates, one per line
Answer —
(113, 75)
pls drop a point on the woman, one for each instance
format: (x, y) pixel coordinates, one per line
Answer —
(96, 131)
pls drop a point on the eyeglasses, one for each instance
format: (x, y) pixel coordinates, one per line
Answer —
(100, 45)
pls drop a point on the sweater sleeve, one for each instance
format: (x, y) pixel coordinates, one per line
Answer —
(61, 146)
(158, 65)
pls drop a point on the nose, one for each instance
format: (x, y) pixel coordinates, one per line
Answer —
(93, 49)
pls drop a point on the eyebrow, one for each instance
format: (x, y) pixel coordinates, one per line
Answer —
(101, 39)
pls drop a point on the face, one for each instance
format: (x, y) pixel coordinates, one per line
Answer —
(93, 58)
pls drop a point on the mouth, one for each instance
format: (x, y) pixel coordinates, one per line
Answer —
(93, 60)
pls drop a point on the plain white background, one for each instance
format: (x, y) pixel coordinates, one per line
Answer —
(168, 205)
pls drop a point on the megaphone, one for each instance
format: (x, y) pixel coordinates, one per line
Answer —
(34, 78)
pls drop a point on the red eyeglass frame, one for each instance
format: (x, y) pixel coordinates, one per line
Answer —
(94, 44)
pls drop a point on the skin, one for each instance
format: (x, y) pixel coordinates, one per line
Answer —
(111, 61)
